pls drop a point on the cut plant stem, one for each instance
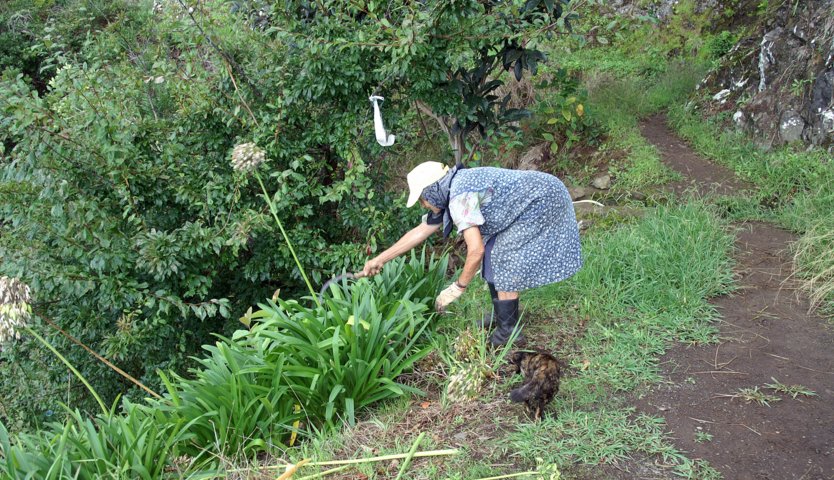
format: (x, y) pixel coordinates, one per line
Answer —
(354, 461)
(410, 455)
(512, 475)
(99, 357)
(396, 456)
(326, 472)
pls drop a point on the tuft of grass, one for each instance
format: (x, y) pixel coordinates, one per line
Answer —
(753, 394)
(814, 260)
(603, 435)
(701, 436)
(792, 390)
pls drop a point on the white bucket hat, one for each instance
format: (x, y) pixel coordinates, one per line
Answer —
(421, 177)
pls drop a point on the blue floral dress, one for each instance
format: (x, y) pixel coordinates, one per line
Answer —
(527, 221)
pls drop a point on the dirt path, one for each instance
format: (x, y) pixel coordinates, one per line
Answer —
(766, 334)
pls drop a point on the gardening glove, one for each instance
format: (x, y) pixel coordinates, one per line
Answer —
(448, 296)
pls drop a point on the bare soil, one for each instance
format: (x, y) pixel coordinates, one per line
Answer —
(767, 336)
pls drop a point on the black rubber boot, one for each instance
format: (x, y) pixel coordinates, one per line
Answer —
(506, 313)
(488, 321)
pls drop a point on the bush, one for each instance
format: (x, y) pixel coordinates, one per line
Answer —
(716, 46)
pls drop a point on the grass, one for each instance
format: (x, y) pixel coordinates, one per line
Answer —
(702, 437)
(813, 257)
(792, 390)
(643, 286)
(619, 102)
(753, 394)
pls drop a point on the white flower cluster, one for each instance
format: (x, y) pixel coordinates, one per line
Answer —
(247, 156)
(465, 384)
(161, 6)
(15, 311)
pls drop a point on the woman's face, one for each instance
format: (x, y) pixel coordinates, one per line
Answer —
(425, 204)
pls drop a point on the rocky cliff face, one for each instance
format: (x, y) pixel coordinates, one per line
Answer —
(778, 81)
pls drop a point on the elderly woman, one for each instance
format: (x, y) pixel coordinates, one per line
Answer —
(519, 226)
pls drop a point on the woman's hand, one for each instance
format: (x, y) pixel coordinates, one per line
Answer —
(372, 267)
(414, 237)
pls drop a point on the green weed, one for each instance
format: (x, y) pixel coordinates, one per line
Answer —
(792, 390)
(752, 394)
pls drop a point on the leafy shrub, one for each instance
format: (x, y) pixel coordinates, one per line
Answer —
(716, 46)
(562, 112)
(316, 365)
(131, 445)
(419, 278)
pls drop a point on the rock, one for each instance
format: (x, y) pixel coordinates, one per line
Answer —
(602, 182)
(778, 80)
(828, 120)
(587, 209)
(577, 193)
(767, 59)
(791, 127)
(534, 157)
(721, 96)
(821, 109)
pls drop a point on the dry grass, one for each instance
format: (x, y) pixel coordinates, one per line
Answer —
(814, 262)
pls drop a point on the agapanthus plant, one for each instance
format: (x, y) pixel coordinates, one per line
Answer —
(246, 157)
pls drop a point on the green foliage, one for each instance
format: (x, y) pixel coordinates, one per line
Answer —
(716, 46)
(297, 371)
(562, 111)
(135, 444)
(36, 35)
(419, 278)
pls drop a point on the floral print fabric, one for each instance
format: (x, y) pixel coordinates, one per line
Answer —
(465, 209)
(531, 218)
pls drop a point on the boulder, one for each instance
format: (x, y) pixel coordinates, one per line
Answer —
(602, 182)
(577, 193)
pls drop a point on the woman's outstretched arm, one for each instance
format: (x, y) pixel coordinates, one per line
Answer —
(411, 239)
